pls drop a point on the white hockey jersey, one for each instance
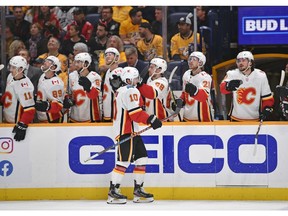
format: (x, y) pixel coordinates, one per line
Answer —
(127, 111)
(156, 106)
(18, 96)
(248, 97)
(86, 108)
(198, 107)
(108, 97)
(51, 90)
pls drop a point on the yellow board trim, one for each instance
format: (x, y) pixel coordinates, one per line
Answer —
(235, 193)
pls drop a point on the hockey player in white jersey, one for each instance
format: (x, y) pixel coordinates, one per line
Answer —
(112, 57)
(50, 92)
(252, 97)
(18, 99)
(196, 90)
(156, 89)
(127, 114)
(85, 88)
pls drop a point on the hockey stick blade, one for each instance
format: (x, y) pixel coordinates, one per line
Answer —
(172, 74)
(133, 135)
(1, 66)
(282, 78)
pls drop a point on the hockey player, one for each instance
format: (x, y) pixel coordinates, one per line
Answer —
(282, 92)
(18, 100)
(196, 90)
(50, 92)
(127, 114)
(85, 87)
(156, 90)
(250, 89)
(111, 58)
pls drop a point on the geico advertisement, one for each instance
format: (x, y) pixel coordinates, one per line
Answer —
(179, 155)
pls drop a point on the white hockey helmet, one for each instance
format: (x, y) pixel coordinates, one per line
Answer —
(160, 63)
(129, 74)
(245, 54)
(55, 62)
(116, 72)
(112, 50)
(201, 57)
(115, 79)
(83, 57)
(18, 62)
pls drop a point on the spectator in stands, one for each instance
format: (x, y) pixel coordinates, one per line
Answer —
(115, 42)
(9, 39)
(202, 19)
(150, 45)
(97, 43)
(129, 29)
(107, 16)
(121, 13)
(147, 12)
(181, 42)
(252, 98)
(15, 47)
(37, 43)
(19, 26)
(31, 13)
(33, 73)
(74, 37)
(157, 23)
(86, 28)
(48, 21)
(64, 15)
(133, 61)
(53, 46)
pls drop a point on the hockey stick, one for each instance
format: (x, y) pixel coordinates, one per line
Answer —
(133, 135)
(171, 91)
(261, 121)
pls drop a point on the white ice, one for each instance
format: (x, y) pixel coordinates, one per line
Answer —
(92, 206)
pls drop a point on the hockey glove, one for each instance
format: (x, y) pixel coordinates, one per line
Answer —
(115, 82)
(284, 109)
(191, 89)
(265, 113)
(20, 131)
(42, 106)
(174, 106)
(68, 102)
(154, 121)
(85, 82)
(232, 85)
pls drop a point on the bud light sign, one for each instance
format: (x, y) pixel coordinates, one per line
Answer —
(262, 25)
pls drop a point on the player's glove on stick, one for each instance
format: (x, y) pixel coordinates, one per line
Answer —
(20, 131)
(85, 82)
(177, 101)
(265, 113)
(191, 89)
(154, 121)
(68, 102)
(232, 85)
(42, 106)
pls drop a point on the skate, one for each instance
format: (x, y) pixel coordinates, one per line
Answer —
(140, 196)
(115, 196)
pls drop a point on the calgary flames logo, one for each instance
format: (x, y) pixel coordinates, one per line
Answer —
(246, 95)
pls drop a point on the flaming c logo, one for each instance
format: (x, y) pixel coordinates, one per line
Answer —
(246, 95)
